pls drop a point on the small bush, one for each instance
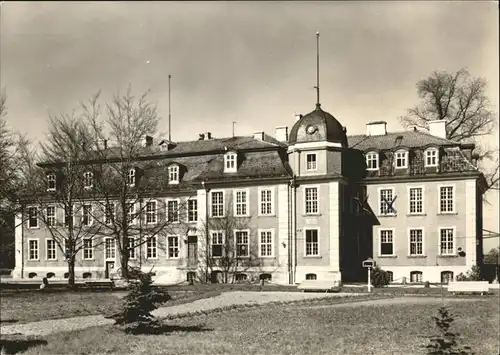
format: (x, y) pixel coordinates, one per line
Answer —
(446, 342)
(135, 316)
(474, 274)
(379, 277)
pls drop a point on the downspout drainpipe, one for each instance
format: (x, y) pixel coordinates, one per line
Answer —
(206, 229)
(289, 236)
(295, 227)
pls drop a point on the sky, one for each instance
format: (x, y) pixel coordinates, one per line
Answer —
(249, 62)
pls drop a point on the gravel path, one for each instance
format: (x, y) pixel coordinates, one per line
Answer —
(47, 327)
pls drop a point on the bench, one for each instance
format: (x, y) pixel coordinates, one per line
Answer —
(100, 284)
(319, 285)
(468, 286)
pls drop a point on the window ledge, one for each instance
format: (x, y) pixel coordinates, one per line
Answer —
(447, 213)
(387, 256)
(451, 256)
(94, 259)
(312, 215)
(313, 256)
(417, 256)
(267, 257)
(416, 214)
(387, 215)
(267, 215)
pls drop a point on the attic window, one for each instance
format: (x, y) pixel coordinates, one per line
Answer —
(431, 157)
(51, 182)
(88, 180)
(173, 174)
(230, 160)
(401, 158)
(131, 177)
(372, 161)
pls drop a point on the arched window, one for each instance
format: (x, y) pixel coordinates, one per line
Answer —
(88, 179)
(241, 277)
(267, 277)
(87, 275)
(32, 275)
(446, 276)
(230, 162)
(131, 177)
(311, 277)
(51, 182)
(50, 275)
(66, 275)
(391, 276)
(416, 276)
(173, 174)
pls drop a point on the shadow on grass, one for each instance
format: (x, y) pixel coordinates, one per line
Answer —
(14, 346)
(9, 320)
(165, 329)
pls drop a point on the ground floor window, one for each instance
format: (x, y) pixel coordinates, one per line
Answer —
(311, 277)
(267, 277)
(446, 276)
(241, 277)
(391, 276)
(416, 276)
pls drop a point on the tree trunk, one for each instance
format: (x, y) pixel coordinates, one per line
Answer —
(124, 264)
(71, 271)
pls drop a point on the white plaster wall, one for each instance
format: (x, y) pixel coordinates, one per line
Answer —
(429, 273)
(334, 233)
(18, 245)
(470, 223)
(282, 235)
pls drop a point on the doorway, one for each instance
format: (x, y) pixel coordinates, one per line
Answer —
(192, 257)
(110, 267)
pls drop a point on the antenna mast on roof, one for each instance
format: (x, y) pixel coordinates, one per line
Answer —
(317, 70)
(233, 126)
(169, 115)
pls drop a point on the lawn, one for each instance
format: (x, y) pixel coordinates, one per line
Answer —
(32, 306)
(296, 329)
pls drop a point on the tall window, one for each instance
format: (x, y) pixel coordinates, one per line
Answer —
(132, 248)
(266, 202)
(386, 242)
(88, 249)
(312, 242)
(192, 210)
(416, 242)
(401, 159)
(109, 248)
(446, 199)
(241, 206)
(173, 247)
(68, 215)
(311, 161)
(131, 177)
(230, 162)
(416, 200)
(217, 244)
(87, 215)
(51, 182)
(217, 204)
(311, 194)
(266, 243)
(173, 210)
(242, 244)
(151, 212)
(387, 203)
(51, 216)
(88, 179)
(372, 161)
(110, 213)
(173, 174)
(51, 249)
(431, 157)
(33, 249)
(131, 217)
(152, 248)
(32, 217)
(446, 239)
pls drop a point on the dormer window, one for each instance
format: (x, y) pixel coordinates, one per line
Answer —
(431, 157)
(372, 161)
(131, 177)
(51, 182)
(88, 180)
(230, 162)
(173, 174)
(401, 158)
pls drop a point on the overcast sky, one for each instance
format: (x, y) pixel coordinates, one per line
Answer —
(250, 62)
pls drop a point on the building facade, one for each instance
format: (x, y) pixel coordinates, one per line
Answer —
(308, 203)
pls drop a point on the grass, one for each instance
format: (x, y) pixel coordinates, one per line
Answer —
(32, 306)
(294, 329)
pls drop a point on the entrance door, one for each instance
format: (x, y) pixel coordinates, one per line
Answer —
(192, 250)
(110, 267)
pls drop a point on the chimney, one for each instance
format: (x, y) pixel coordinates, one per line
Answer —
(378, 128)
(437, 128)
(149, 141)
(205, 136)
(298, 116)
(259, 136)
(208, 136)
(281, 134)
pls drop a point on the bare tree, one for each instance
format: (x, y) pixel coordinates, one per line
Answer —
(461, 100)
(127, 194)
(229, 248)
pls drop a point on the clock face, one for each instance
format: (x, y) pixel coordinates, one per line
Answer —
(311, 129)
